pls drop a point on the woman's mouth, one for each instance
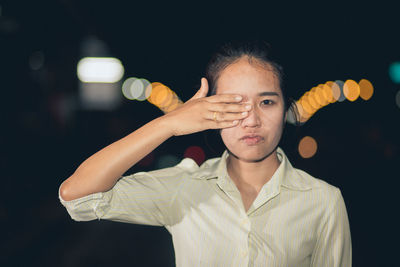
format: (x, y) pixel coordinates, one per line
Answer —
(252, 139)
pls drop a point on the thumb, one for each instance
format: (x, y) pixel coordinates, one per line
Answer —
(202, 92)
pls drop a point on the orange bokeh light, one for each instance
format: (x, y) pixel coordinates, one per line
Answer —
(307, 147)
(366, 89)
(351, 90)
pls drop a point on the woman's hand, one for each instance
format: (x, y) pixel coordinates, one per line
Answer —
(201, 113)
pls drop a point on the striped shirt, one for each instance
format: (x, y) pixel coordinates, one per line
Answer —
(296, 220)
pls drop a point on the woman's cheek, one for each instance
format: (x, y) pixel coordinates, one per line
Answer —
(227, 135)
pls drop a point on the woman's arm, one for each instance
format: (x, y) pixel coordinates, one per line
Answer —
(100, 172)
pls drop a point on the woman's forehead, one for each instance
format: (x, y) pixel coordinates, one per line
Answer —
(248, 79)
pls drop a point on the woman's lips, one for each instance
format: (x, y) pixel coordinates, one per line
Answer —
(252, 139)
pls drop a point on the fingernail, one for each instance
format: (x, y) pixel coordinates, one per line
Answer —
(235, 121)
(238, 98)
(244, 113)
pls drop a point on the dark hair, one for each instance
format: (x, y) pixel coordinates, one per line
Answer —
(229, 53)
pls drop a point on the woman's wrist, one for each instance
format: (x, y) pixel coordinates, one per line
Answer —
(165, 124)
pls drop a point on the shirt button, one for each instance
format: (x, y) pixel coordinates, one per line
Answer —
(245, 222)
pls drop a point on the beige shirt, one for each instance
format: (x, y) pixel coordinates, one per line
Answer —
(296, 220)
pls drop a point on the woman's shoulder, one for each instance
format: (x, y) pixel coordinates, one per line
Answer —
(317, 185)
(187, 167)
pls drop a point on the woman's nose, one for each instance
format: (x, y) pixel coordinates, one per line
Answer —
(252, 120)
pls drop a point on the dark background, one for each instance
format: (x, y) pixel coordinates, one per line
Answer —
(45, 134)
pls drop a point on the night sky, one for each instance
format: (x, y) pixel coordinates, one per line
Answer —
(46, 132)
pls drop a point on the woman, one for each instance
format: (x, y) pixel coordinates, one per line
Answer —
(249, 207)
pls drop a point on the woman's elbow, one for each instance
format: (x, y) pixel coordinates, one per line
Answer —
(69, 190)
(65, 192)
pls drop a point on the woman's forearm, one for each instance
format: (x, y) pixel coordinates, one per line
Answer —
(100, 172)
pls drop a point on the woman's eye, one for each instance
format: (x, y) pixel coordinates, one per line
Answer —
(267, 102)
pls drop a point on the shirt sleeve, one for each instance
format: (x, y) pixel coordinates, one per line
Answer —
(333, 247)
(141, 198)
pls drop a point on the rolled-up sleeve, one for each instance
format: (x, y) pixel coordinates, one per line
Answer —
(141, 198)
(333, 247)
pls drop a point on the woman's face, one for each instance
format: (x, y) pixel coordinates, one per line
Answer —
(256, 136)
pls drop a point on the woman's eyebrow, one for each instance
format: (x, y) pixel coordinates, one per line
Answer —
(268, 94)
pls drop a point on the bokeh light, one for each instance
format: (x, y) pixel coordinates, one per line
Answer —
(351, 90)
(398, 99)
(304, 110)
(303, 115)
(306, 105)
(136, 89)
(394, 72)
(156, 93)
(320, 96)
(324, 94)
(146, 90)
(311, 100)
(366, 89)
(340, 84)
(307, 147)
(332, 91)
(126, 88)
(100, 70)
(163, 97)
(147, 160)
(196, 153)
(166, 161)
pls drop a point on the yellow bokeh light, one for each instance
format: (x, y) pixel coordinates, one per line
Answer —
(176, 103)
(351, 90)
(307, 147)
(311, 100)
(163, 97)
(148, 91)
(366, 89)
(306, 105)
(157, 89)
(298, 111)
(303, 115)
(333, 90)
(319, 96)
(327, 93)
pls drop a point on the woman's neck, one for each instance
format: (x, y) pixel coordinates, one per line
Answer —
(252, 175)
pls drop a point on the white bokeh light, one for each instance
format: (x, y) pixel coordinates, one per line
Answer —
(146, 90)
(100, 70)
(136, 89)
(126, 88)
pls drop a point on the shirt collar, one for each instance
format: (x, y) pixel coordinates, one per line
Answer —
(285, 176)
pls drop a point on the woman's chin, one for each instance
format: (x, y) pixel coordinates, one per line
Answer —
(250, 155)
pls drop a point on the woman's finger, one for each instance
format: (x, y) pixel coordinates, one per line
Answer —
(228, 107)
(223, 124)
(228, 98)
(202, 92)
(226, 116)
